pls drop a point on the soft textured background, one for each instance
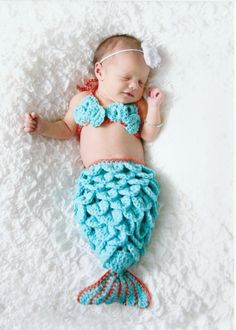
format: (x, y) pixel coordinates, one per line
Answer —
(46, 48)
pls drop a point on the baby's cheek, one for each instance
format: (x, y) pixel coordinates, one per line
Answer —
(122, 85)
(142, 90)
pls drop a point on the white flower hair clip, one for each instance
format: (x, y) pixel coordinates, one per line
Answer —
(150, 54)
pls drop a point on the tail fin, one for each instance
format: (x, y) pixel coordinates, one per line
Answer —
(112, 287)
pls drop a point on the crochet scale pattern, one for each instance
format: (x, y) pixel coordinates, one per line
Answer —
(116, 207)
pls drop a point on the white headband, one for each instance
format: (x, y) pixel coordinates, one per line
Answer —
(151, 56)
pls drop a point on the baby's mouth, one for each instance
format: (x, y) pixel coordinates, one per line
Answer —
(129, 94)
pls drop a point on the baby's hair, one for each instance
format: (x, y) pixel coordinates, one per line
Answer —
(109, 44)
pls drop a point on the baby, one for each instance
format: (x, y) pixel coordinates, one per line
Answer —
(116, 195)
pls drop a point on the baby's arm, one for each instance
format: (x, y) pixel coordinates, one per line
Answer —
(150, 114)
(62, 129)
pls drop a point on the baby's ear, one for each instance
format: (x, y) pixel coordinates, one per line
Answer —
(98, 70)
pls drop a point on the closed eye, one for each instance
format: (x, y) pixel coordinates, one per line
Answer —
(125, 78)
(128, 78)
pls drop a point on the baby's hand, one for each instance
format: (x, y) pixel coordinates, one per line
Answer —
(33, 123)
(154, 96)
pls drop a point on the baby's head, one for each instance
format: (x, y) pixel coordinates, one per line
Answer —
(122, 76)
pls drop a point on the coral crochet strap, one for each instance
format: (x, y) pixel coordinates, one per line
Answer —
(90, 85)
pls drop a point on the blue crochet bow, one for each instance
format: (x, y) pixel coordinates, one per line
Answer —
(89, 110)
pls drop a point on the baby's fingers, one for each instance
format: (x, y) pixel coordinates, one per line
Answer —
(28, 130)
(29, 119)
(148, 90)
(30, 124)
(33, 115)
(29, 116)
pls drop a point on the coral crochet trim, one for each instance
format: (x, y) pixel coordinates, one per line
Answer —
(92, 286)
(144, 288)
(116, 160)
(105, 290)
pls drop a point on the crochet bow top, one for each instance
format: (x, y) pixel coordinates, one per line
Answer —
(90, 111)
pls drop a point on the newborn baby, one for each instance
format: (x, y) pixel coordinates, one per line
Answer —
(116, 195)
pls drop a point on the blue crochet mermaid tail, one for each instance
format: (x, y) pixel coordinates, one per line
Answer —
(116, 207)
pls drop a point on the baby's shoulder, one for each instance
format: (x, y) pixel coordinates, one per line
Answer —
(77, 98)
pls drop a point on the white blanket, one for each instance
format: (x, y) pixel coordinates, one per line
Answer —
(46, 49)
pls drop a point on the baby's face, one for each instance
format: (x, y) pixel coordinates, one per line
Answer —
(124, 76)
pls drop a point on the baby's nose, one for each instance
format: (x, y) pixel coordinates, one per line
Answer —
(133, 85)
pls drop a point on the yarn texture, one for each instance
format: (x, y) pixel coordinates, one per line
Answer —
(116, 207)
(89, 110)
